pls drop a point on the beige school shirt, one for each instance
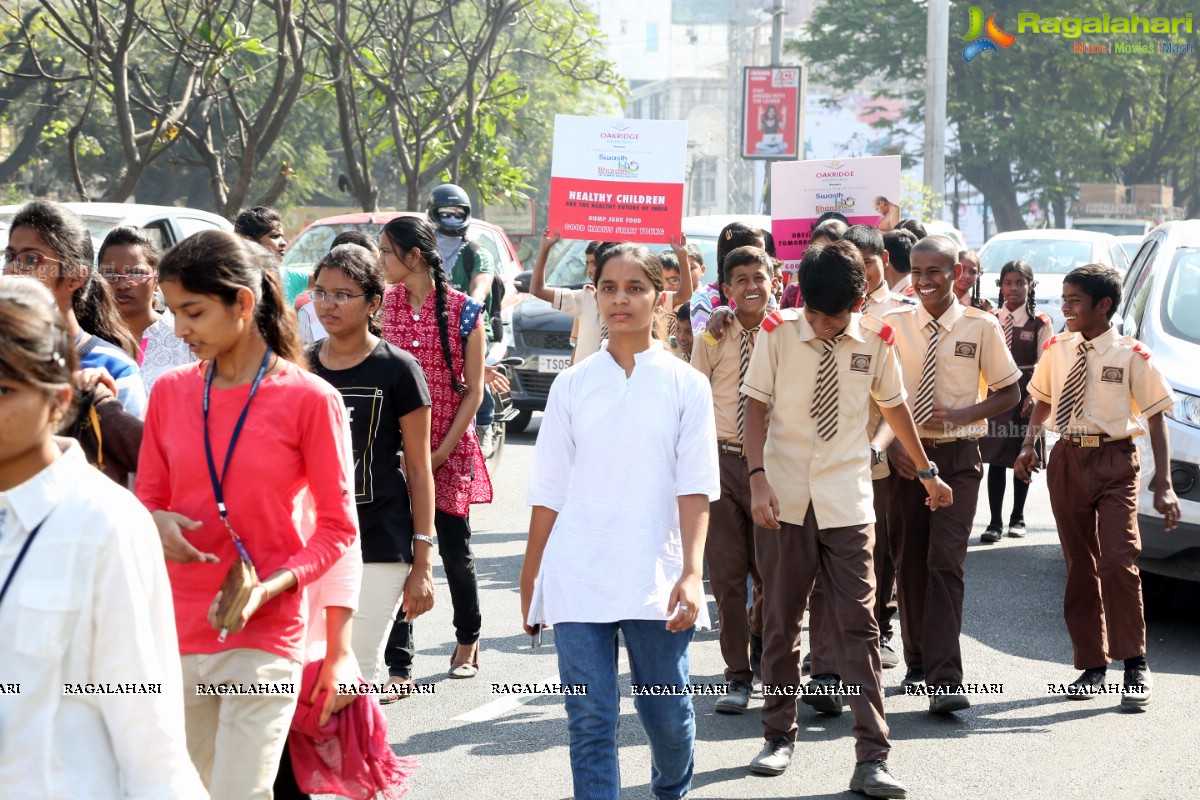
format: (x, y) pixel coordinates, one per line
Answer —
(1122, 382)
(878, 303)
(971, 357)
(721, 364)
(581, 304)
(835, 475)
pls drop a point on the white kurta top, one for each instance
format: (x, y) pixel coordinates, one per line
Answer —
(613, 456)
(87, 631)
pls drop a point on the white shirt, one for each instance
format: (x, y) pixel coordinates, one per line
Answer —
(612, 457)
(581, 303)
(89, 609)
(162, 350)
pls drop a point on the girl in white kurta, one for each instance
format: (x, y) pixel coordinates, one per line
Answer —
(624, 470)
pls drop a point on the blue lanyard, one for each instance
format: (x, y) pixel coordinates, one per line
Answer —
(20, 557)
(217, 483)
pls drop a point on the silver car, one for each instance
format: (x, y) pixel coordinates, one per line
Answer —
(1160, 306)
(1052, 253)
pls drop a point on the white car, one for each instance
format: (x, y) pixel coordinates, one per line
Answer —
(167, 225)
(1052, 253)
(1160, 306)
(939, 228)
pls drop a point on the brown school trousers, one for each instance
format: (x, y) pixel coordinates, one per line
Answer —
(821, 627)
(1093, 491)
(729, 551)
(929, 549)
(788, 561)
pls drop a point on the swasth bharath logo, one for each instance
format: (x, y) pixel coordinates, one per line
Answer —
(984, 37)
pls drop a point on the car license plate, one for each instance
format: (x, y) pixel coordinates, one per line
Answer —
(553, 363)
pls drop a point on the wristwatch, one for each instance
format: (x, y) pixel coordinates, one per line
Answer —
(876, 455)
(926, 474)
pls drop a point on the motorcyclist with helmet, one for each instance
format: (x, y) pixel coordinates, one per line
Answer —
(471, 270)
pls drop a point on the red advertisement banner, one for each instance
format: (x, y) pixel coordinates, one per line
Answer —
(649, 213)
(771, 120)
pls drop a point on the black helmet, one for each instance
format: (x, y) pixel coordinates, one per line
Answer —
(449, 210)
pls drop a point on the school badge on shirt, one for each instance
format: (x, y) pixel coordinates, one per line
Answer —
(1112, 375)
(965, 349)
(860, 362)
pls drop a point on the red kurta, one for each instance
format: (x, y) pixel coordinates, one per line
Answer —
(463, 479)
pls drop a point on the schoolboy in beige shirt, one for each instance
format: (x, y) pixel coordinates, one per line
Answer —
(811, 496)
(729, 549)
(1091, 385)
(944, 348)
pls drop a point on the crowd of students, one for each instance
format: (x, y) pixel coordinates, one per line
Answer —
(289, 491)
(824, 452)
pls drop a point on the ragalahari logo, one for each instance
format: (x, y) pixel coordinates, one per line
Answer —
(984, 37)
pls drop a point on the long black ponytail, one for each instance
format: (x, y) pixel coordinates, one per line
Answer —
(405, 233)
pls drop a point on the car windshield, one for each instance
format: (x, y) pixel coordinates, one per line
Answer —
(1181, 296)
(1115, 228)
(566, 266)
(1046, 256)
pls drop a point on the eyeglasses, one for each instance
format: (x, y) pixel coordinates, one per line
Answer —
(25, 261)
(451, 213)
(337, 298)
(135, 278)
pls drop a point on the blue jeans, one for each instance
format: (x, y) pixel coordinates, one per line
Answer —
(486, 414)
(587, 654)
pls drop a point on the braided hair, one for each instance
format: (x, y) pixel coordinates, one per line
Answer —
(405, 233)
(1023, 269)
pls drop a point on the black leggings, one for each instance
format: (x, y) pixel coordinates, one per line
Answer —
(996, 480)
(458, 560)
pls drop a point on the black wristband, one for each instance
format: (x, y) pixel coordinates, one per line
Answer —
(757, 470)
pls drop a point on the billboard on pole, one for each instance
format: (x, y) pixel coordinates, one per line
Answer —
(771, 112)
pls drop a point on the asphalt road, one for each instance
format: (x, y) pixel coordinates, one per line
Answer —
(474, 743)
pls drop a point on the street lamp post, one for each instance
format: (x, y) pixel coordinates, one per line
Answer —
(936, 72)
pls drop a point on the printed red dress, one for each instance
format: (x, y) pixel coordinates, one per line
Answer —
(463, 479)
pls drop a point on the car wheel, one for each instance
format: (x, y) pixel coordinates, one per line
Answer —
(521, 421)
(1158, 594)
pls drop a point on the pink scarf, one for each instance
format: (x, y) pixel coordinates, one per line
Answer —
(349, 755)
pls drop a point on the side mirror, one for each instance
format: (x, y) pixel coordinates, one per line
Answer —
(523, 280)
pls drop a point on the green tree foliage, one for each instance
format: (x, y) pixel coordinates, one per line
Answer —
(1035, 117)
(225, 103)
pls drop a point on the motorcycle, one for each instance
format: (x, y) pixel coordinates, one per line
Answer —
(491, 439)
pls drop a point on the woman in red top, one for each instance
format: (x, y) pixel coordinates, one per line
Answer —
(251, 426)
(442, 328)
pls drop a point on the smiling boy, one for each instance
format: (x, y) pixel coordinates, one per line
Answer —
(811, 499)
(944, 348)
(729, 549)
(1091, 384)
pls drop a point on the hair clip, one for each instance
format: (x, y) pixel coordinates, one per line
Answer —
(728, 235)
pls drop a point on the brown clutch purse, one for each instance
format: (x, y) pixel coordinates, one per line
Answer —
(239, 582)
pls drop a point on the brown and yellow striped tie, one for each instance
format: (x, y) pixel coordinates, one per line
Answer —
(1070, 402)
(825, 395)
(923, 405)
(745, 349)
